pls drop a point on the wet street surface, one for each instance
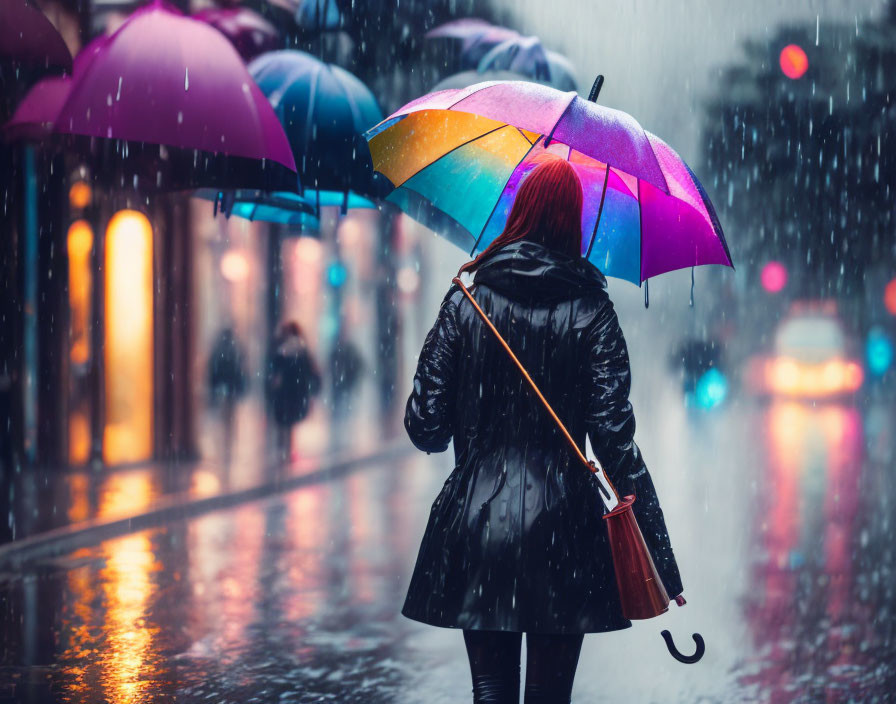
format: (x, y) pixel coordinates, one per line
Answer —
(779, 513)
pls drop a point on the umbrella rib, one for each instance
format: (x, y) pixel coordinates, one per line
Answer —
(453, 149)
(468, 95)
(711, 211)
(498, 200)
(519, 129)
(600, 210)
(547, 140)
(312, 96)
(641, 242)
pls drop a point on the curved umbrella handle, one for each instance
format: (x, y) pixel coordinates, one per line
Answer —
(686, 659)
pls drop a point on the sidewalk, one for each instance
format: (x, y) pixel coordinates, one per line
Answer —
(55, 510)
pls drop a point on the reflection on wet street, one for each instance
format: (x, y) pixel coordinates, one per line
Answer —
(779, 513)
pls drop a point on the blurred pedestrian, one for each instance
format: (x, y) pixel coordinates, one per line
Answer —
(515, 541)
(226, 381)
(292, 381)
(346, 367)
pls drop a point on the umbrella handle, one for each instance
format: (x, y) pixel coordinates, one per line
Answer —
(595, 88)
(686, 659)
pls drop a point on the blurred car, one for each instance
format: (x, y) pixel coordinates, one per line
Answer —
(810, 358)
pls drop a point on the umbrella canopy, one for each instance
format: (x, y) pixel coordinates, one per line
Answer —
(325, 111)
(457, 157)
(527, 57)
(171, 94)
(250, 33)
(476, 38)
(280, 207)
(38, 111)
(465, 79)
(28, 37)
(318, 15)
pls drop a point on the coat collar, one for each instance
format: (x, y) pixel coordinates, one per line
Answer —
(528, 270)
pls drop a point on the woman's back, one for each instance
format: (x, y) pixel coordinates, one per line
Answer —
(519, 516)
(544, 304)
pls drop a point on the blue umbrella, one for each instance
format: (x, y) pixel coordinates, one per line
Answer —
(278, 207)
(281, 207)
(318, 15)
(324, 111)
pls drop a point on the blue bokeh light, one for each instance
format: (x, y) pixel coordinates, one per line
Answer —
(337, 274)
(878, 351)
(711, 389)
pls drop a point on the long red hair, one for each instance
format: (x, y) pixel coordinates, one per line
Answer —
(547, 210)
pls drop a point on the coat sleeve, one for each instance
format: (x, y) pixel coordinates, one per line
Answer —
(610, 421)
(429, 417)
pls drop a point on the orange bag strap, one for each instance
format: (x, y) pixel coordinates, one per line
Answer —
(572, 443)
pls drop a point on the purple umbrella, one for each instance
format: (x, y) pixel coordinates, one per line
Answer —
(36, 114)
(172, 94)
(248, 31)
(27, 36)
(456, 158)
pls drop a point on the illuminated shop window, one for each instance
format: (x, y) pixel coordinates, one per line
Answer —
(127, 435)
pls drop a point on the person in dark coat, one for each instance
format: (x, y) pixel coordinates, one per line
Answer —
(292, 382)
(346, 367)
(516, 542)
(226, 382)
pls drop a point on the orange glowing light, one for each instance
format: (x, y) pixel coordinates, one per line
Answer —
(128, 665)
(79, 245)
(234, 266)
(790, 377)
(793, 60)
(80, 195)
(78, 437)
(127, 436)
(890, 297)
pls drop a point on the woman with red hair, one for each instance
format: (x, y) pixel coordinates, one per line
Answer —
(515, 541)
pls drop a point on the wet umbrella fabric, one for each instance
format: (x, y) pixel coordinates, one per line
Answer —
(325, 111)
(28, 37)
(456, 158)
(171, 95)
(527, 57)
(35, 115)
(38, 111)
(280, 207)
(477, 38)
(318, 15)
(250, 33)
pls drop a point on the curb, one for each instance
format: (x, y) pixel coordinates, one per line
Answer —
(59, 541)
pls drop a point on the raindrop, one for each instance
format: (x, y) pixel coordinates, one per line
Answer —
(186, 78)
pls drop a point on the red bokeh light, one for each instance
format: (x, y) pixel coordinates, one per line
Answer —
(890, 297)
(773, 277)
(793, 60)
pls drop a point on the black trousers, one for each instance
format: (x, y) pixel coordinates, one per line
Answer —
(551, 662)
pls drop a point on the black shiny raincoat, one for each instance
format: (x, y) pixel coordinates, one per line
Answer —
(516, 540)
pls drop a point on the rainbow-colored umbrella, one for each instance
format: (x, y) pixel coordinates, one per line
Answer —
(456, 158)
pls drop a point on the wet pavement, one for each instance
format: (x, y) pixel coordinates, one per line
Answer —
(296, 598)
(51, 500)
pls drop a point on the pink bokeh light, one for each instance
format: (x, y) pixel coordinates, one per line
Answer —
(773, 277)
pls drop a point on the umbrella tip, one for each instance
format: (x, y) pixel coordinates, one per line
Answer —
(595, 88)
